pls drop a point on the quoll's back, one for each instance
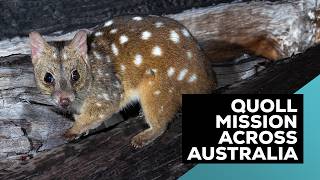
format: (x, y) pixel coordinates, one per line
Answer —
(154, 52)
(156, 60)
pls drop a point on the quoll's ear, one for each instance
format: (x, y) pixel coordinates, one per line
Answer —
(79, 43)
(37, 44)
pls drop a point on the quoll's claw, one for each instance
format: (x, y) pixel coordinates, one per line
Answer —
(136, 143)
(139, 141)
(86, 133)
(70, 136)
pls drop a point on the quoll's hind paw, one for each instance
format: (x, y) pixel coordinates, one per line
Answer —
(144, 138)
(138, 141)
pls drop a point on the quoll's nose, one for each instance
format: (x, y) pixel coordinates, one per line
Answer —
(64, 102)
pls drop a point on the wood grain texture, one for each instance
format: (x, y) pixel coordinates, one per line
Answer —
(282, 77)
(108, 155)
(272, 30)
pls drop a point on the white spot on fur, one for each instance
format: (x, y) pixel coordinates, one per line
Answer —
(122, 67)
(101, 116)
(170, 71)
(137, 18)
(150, 83)
(123, 39)
(146, 35)
(185, 32)
(108, 59)
(182, 74)
(106, 96)
(158, 24)
(55, 55)
(114, 49)
(99, 104)
(113, 31)
(171, 89)
(156, 51)
(137, 60)
(189, 54)
(98, 34)
(65, 56)
(108, 23)
(192, 78)
(107, 74)
(174, 37)
(157, 92)
(161, 109)
(97, 55)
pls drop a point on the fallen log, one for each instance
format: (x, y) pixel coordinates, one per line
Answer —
(108, 154)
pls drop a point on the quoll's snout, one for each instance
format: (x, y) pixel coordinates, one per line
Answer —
(64, 102)
(63, 99)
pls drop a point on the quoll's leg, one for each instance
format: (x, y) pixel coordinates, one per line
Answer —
(93, 113)
(159, 103)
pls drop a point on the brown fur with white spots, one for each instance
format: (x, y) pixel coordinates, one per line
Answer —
(152, 60)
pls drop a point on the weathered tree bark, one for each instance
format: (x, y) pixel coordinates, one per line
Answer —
(282, 77)
(272, 30)
(108, 154)
(30, 124)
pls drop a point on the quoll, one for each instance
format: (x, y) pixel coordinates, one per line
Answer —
(151, 60)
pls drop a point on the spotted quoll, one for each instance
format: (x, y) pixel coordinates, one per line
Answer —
(152, 60)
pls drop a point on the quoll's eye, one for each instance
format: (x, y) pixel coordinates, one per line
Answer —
(75, 76)
(48, 78)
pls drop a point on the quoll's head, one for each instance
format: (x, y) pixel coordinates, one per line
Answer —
(61, 68)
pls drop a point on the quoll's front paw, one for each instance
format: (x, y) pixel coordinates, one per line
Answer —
(69, 136)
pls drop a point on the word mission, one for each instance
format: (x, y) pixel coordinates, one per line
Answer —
(250, 128)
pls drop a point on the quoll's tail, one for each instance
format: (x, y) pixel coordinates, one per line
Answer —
(271, 30)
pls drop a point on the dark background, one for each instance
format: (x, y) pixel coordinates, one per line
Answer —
(19, 17)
